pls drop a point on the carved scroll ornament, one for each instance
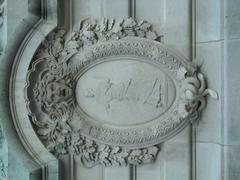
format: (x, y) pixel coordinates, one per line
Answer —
(91, 120)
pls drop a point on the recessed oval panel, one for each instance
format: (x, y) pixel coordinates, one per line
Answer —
(124, 91)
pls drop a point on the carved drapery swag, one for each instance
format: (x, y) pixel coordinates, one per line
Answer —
(54, 103)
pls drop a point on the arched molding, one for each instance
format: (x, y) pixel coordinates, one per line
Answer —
(41, 19)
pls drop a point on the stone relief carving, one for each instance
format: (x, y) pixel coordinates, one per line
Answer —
(54, 106)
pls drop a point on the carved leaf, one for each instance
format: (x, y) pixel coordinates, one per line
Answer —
(44, 132)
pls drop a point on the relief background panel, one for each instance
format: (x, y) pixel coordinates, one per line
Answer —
(78, 10)
(116, 9)
(97, 9)
(172, 20)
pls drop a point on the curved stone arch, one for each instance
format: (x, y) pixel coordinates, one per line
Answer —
(39, 163)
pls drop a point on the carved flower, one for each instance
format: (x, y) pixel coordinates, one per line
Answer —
(89, 37)
(61, 138)
(56, 148)
(89, 146)
(57, 46)
(60, 149)
(76, 143)
(86, 155)
(149, 154)
(136, 153)
(119, 159)
(73, 44)
(54, 115)
(88, 24)
(135, 157)
(104, 158)
(153, 150)
(129, 23)
(76, 138)
(144, 26)
(89, 143)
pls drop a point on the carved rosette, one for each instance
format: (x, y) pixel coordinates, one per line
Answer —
(78, 104)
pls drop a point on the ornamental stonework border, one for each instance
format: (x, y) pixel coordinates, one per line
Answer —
(56, 115)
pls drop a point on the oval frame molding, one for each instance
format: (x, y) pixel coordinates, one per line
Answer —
(94, 40)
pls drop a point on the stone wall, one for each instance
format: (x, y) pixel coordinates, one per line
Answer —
(216, 47)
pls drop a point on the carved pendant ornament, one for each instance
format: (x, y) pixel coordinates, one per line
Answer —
(109, 93)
